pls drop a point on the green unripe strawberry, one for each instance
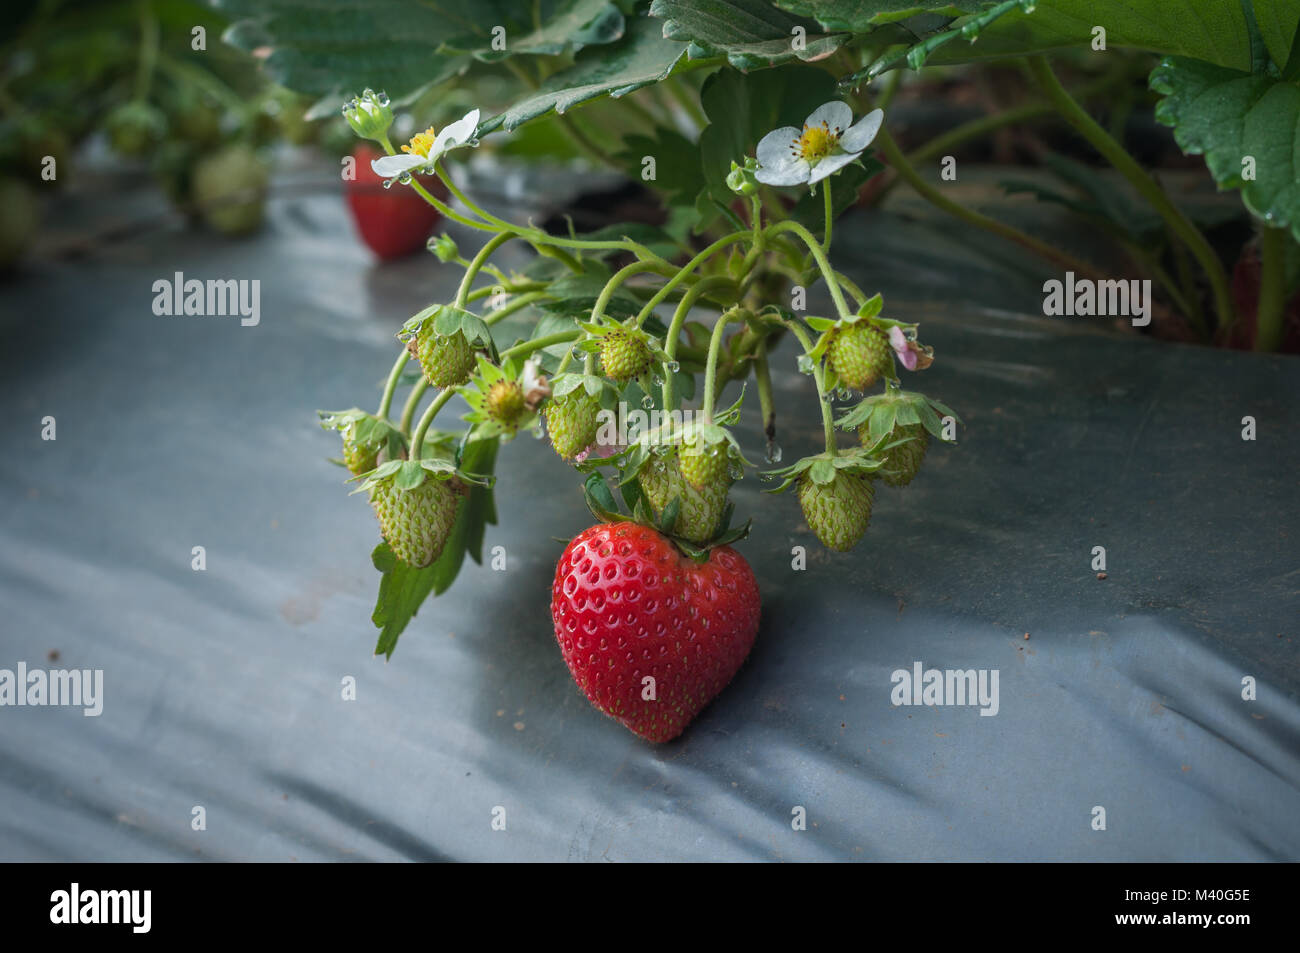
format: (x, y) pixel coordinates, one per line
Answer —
(359, 457)
(571, 420)
(624, 355)
(417, 522)
(837, 512)
(505, 403)
(701, 510)
(134, 128)
(19, 220)
(229, 188)
(446, 359)
(704, 464)
(902, 461)
(859, 354)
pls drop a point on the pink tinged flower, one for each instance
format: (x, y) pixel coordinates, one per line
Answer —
(902, 347)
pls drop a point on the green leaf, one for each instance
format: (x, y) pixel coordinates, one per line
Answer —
(744, 107)
(641, 58)
(652, 236)
(1229, 117)
(564, 23)
(859, 16)
(1210, 30)
(1279, 24)
(676, 163)
(753, 34)
(336, 47)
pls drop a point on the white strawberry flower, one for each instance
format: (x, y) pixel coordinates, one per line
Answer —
(426, 147)
(826, 144)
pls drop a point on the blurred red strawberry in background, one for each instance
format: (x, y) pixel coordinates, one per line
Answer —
(393, 222)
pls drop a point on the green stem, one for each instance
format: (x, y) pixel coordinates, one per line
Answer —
(932, 195)
(585, 142)
(675, 329)
(484, 253)
(445, 209)
(830, 215)
(607, 292)
(536, 344)
(412, 402)
(390, 387)
(148, 51)
(1271, 311)
(417, 439)
(828, 423)
(851, 287)
(684, 273)
(518, 304)
(536, 236)
(828, 273)
(1138, 177)
(763, 379)
(711, 365)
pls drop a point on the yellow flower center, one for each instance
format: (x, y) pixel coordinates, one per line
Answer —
(817, 142)
(421, 143)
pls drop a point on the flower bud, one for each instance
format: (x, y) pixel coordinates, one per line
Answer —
(369, 115)
(741, 178)
(444, 246)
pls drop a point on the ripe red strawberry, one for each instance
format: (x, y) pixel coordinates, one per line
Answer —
(628, 607)
(392, 222)
(859, 354)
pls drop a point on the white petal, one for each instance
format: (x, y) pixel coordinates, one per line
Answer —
(389, 166)
(831, 165)
(792, 171)
(455, 134)
(835, 114)
(777, 146)
(862, 132)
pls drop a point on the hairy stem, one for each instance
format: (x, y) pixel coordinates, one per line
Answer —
(1270, 314)
(828, 273)
(711, 365)
(390, 387)
(828, 423)
(675, 330)
(417, 439)
(484, 253)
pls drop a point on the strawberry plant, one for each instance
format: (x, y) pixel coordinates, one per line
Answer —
(758, 123)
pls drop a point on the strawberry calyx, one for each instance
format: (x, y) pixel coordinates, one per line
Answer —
(823, 467)
(600, 500)
(443, 320)
(882, 412)
(406, 475)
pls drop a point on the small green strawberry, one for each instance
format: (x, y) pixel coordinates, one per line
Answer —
(229, 188)
(704, 464)
(504, 400)
(837, 512)
(901, 461)
(134, 128)
(625, 354)
(364, 437)
(896, 427)
(859, 354)
(416, 522)
(571, 420)
(835, 493)
(701, 510)
(446, 359)
(359, 456)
